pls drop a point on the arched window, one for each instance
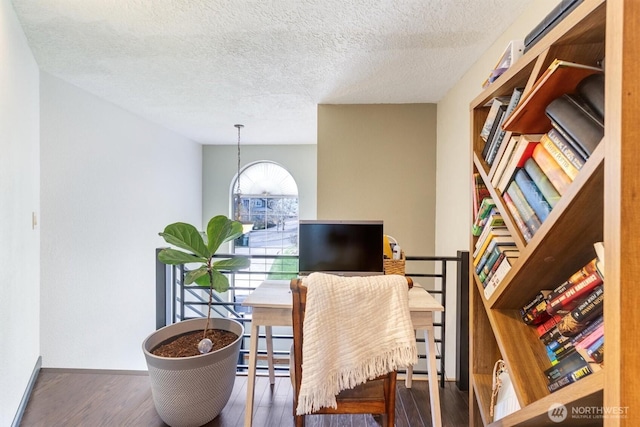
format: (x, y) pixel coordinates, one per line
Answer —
(269, 202)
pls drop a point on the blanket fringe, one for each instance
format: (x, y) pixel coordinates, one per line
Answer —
(351, 376)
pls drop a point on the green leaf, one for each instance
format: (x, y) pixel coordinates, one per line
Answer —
(232, 264)
(176, 257)
(221, 229)
(197, 275)
(186, 236)
(220, 281)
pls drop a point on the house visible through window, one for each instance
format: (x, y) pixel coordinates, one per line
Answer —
(269, 201)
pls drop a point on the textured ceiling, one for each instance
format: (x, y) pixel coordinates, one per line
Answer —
(200, 66)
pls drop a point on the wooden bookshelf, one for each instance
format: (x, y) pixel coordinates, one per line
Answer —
(601, 204)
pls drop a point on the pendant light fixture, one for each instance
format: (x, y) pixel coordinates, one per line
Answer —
(246, 225)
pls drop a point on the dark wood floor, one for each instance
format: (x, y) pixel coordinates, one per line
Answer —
(80, 398)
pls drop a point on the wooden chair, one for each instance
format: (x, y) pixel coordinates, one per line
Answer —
(377, 397)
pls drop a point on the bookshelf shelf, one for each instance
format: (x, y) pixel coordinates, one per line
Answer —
(600, 204)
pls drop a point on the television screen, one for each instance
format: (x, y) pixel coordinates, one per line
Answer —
(341, 247)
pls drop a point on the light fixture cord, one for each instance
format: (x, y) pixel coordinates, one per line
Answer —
(238, 201)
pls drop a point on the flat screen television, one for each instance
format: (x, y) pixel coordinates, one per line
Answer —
(351, 248)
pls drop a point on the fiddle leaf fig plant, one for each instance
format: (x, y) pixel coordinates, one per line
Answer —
(199, 248)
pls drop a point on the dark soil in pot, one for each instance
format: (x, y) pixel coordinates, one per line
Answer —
(186, 345)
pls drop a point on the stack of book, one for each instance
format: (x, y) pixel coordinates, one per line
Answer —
(495, 250)
(535, 312)
(569, 323)
(492, 132)
(533, 171)
(480, 192)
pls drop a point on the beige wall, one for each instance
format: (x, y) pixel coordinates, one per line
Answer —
(378, 162)
(453, 203)
(454, 133)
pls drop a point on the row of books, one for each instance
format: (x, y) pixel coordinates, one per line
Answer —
(534, 170)
(492, 132)
(569, 323)
(495, 249)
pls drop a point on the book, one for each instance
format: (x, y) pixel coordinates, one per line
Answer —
(483, 252)
(504, 159)
(495, 148)
(591, 339)
(572, 152)
(590, 308)
(524, 209)
(599, 248)
(483, 212)
(570, 298)
(595, 345)
(480, 192)
(511, 254)
(523, 150)
(555, 16)
(561, 77)
(576, 277)
(577, 319)
(551, 169)
(598, 354)
(569, 378)
(490, 232)
(595, 324)
(559, 157)
(537, 299)
(536, 314)
(485, 278)
(499, 251)
(494, 136)
(573, 118)
(527, 235)
(488, 265)
(558, 342)
(550, 336)
(548, 324)
(481, 259)
(560, 352)
(591, 89)
(547, 189)
(491, 122)
(533, 195)
(500, 273)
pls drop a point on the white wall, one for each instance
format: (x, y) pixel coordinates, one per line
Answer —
(19, 197)
(110, 182)
(453, 205)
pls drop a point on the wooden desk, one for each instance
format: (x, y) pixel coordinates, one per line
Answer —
(271, 306)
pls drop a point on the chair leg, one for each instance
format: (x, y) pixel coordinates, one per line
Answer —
(299, 419)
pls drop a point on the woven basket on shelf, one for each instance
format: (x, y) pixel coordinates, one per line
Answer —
(395, 266)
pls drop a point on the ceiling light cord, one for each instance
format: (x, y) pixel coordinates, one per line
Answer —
(238, 194)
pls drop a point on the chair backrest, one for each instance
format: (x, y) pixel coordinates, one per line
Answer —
(365, 399)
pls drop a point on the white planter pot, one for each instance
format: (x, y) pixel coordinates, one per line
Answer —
(191, 391)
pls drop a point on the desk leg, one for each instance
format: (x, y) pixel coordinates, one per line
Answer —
(251, 376)
(408, 381)
(272, 376)
(434, 388)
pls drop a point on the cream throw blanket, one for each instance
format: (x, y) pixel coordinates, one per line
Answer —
(355, 329)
